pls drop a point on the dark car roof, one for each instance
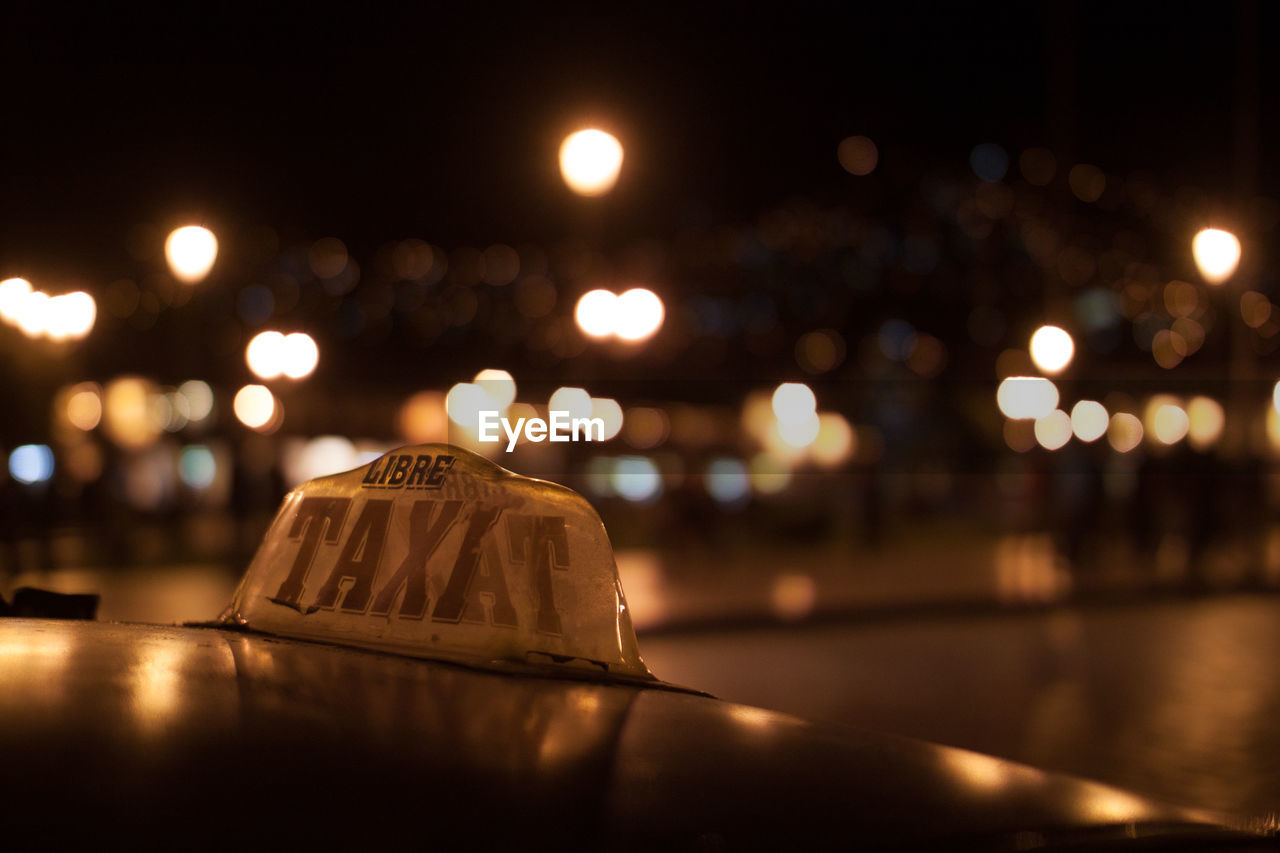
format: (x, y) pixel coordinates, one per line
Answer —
(202, 737)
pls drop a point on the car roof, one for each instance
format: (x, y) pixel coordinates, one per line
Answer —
(205, 736)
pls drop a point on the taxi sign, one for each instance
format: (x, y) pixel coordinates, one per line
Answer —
(434, 551)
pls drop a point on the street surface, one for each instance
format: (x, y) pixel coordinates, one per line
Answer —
(1177, 698)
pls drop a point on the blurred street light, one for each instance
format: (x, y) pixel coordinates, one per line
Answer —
(272, 354)
(499, 385)
(255, 407)
(1170, 424)
(301, 355)
(794, 402)
(191, 251)
(1052, 349)
(13, 293)
(639, 315)
(633, 316)
(1026, 397)
(1053, 430)
(590, 161)
(596, 313)
(1217, 254)
(1089, 420)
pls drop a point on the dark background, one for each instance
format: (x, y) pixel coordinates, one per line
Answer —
(444, 120)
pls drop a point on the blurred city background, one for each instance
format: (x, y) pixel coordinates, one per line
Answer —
(925, 344)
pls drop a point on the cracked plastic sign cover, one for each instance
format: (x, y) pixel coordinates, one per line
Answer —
(434, 551)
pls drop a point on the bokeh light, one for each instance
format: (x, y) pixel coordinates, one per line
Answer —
(590, 161)
(84, 407)
(858, 155)
(1089, 420)
(835, 441)
(1052, 349)
(499, 385)
(423, 418)
(320, 457)
(727, 481)
(1053, 430)
(464, 403)
(69, 316)
(199, 397)
(636, 478)
(645, 427)
(638, 315)
(128, 416)
(793, 596)
(197, 467)
(31, 463)
(575, 401)
(265, 355)
(255, 406)
(1217, 254)
(770, 474)
(597, 313)
(300, 355)
(820, 351)
(608, 410)
(1205, 419)
(272, 354)
(794, 402)
(13, 293)
(1170, 424)
(1125, 432)
(1026, 397)
(33, 315)
(800, 432)
(191, 251)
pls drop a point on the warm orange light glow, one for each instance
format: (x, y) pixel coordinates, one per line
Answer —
(858, 155)
(70, 315)
(265, 355)
(13, 293)
(1217, 254)
(1125, 432)
(499, 385)
(301, 355)
(835, 442)
(1052, 349)
(597, 313)
(1053, 430)
(1169, 424)
(271, 355)
(590, 161)
(84, 407)
(129, 418)
(1206, 420)
(191, 251)
(639, 314)
(423, 418)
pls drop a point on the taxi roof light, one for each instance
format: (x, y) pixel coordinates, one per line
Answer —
(434, 551)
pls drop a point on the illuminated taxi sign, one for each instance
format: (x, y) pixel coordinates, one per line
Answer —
(436, 552)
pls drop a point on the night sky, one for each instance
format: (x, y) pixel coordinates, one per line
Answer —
(443, 123)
